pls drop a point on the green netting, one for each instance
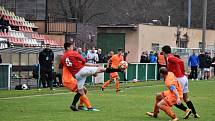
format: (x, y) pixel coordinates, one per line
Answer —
(141, 72)
(151, 73)
(131, 72)
(4, 76)
(89, 79)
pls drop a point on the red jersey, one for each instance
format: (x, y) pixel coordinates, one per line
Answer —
(175, 65)
(73, 61)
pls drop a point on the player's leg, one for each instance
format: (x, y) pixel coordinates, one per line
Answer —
(184, 84)
(163, 105)
(117, 85)
(190, 105)
(106, 83)
(107, 70)
(84, 101)
(192, 72)
(196, 73)
(50, 79)
(186, 99)
(81, 78)
(158, 98)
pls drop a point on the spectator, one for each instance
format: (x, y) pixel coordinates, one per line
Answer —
(193, 63)
(144, 58)
(207, 66)
(125, 54)
(0, 59)
(92, 57)
(161, 63)
(82, 53)
(202, 60)
(46, 59)
(213, 64)
(152, 57)
(3, 24)
(111, 53)
(100, 56)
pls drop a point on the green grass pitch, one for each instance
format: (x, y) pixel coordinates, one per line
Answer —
(129, 105)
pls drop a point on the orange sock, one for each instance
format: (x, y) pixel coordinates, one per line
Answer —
(86, 101)
(168, 111)
(117, 84)
(106, 84)
(81, 101)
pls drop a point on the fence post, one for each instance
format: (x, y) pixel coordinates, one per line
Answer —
(146, 72)
(136, 71)
(156, 67)
(9, 76)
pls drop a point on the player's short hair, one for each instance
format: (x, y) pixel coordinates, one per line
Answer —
(163, 70)
(120, 49)
(166, 49)
(67, 44)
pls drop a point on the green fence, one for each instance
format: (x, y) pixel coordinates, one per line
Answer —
(5, 76)
(138, 71)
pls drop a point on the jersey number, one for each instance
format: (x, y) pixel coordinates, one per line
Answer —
(68, 62)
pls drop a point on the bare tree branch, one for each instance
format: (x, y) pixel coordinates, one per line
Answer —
(94, 15)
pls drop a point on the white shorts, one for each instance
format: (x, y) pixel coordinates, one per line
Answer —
(82, 75)
(184, 83)
(206, 69)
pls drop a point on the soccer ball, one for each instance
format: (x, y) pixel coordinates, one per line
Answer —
(134, 80)
(123, 65)
(25, 87)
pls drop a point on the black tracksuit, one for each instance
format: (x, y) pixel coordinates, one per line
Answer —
(46, 58)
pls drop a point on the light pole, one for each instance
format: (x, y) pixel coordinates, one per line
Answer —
(204, 24)
(189, 13)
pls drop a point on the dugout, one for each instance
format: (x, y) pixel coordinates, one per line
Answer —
(23, 61)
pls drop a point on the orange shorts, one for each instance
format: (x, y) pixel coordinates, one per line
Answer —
(72, 86)
(169, 98)
(114, 75)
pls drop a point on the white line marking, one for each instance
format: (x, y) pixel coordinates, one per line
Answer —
(34, 96)
(19, 97)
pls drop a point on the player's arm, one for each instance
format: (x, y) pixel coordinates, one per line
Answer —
(174, 90)
(109, 61)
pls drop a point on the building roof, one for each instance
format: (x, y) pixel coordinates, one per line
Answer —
(27, 50)
(118, 26)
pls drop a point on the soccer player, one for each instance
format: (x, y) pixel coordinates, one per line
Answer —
(165, 100)
(79, 69)
(176, 65)
(71, 83)
(114, 62)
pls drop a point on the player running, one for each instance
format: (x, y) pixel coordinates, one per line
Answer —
(114, 63)
(77, 66)
(176, 66)
(165, 100)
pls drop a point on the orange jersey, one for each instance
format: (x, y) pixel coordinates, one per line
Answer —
(171, 80)
(161, 60)
(116, 59)
(68, 80)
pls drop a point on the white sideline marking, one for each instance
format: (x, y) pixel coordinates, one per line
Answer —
(7, 98)
(19, 97)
